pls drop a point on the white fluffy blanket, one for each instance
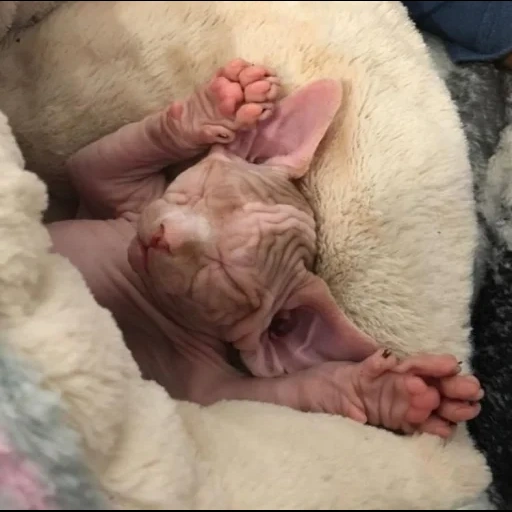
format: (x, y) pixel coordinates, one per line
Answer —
(392, 190)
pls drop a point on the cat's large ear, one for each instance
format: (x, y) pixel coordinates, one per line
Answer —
(310, 329)
(290, 137)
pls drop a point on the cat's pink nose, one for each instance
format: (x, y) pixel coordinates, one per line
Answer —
(177, 232)
(158, 240)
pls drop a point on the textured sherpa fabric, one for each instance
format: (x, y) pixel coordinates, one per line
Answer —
(391, 186)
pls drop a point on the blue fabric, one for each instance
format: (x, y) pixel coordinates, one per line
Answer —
(471, 31)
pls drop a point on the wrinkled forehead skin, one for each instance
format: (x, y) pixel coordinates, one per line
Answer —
(245, 235)
(221, 189)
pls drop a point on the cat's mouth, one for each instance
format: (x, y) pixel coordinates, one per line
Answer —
(157, 242)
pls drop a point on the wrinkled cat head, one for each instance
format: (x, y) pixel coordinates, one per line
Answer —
(228, 250)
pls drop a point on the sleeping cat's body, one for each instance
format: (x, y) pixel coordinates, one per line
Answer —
(222, 256)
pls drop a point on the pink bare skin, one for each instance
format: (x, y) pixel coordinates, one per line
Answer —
(222, 256)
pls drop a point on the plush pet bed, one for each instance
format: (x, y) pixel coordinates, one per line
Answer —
(392, 190)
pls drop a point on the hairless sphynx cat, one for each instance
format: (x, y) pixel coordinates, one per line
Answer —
(223, 255)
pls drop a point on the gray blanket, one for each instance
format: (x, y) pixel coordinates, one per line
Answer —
(483, 96)
(41, 464)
